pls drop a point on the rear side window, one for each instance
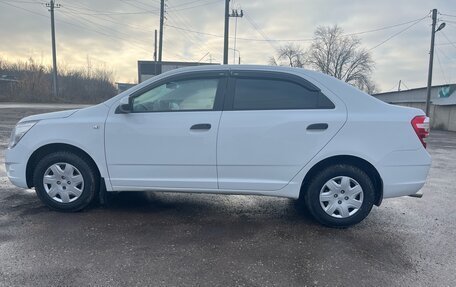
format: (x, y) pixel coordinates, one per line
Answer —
(274, 94)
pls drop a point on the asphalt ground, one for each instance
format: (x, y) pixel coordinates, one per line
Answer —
(166, 239)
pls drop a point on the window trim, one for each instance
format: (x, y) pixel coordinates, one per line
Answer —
(267, 75)
(219, 94)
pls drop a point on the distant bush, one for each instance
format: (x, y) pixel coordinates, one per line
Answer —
(34, 84)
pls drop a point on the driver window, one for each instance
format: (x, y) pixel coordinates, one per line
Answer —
(182, 95)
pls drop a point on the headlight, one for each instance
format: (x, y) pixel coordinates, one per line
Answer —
(19, 131)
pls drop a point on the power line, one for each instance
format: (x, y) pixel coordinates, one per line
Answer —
(193, 31)
(27, 2)
(64, 22)
(385, 27)
(195, 6)
(105, 30)
(139, 7)
(92, 11)
(397, 33)
(448, 15)
(267, 39)
(258, 29)
(119, 13)
(405, 85)
(147, 5)
(112, 20)
(255, 26)
(181, 6)
(449, 42)
(195, 39)
(453, 60)
(446, 56)
(445, 44)
(441, 69)
(110, 12)
(187, 3)
(394, 88)
(21, 8)
(79, 18)
(73, 24)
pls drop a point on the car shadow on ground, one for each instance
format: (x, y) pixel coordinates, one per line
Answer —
(208, 205)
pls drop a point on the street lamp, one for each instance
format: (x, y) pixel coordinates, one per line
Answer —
(441, 26)
(234, 58)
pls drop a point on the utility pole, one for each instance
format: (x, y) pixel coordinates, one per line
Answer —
(399, 86)
(431, 62)
(155, 46)
(236, 14)
(431, 59)
(155, 52)
(51, 5)
(162, 18)
(225, 36)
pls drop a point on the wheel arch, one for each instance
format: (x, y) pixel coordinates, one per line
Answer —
(54, 147)
(351, 160)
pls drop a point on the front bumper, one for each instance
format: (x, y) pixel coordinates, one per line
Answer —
(15, 168)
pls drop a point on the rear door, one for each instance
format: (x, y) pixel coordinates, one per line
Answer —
(272, 125)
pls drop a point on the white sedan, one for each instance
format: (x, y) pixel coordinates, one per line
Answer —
(254, 130)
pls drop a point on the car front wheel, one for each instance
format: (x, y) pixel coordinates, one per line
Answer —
(65, 181)
(340, 196)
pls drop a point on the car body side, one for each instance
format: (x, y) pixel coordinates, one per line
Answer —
(372, 131)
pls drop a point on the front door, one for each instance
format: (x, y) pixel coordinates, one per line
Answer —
(169, 138)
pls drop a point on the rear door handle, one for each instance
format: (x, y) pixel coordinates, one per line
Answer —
(201, 127)
(317, 127)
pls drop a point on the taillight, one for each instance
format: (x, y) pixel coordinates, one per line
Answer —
(421, 126)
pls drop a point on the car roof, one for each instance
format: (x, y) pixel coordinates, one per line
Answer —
(239, 67)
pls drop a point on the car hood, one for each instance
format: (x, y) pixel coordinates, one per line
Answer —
(48, 116)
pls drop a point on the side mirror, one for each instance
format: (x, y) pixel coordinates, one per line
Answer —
(124, 106)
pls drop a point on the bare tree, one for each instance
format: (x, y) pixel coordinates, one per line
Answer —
(34, 83)
(289, 55)
(342, 57)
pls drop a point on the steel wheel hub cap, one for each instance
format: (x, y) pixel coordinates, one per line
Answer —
(341, 197)
(63, 182)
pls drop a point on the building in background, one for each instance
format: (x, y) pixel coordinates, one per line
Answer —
(7, 85)
(148, 69)
(443, 103)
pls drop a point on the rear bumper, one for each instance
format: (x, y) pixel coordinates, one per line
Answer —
(404, 172)
(403, 180)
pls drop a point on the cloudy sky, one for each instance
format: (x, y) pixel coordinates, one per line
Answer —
(116, 33)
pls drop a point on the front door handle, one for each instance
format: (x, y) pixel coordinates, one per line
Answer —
(317, 127)
(201, 127)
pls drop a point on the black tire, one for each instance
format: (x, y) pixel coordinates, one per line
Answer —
(312, 195)
(89, 174)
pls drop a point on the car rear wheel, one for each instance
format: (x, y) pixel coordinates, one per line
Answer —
(65, 182)
(340, 196)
